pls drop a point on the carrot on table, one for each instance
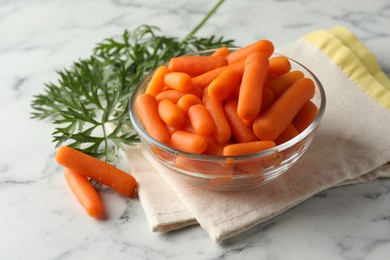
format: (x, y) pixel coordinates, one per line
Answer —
(222, 131)
(196, 65)
(146, 107)
(186, 101)
(171, 114)
(241, 132)
(200, 119)
(205, 79)
(246, 148)
(85, 193)
(96, 169)
(188, 142)
(305, 116)
(251, 89)
(280, 84)
(223, 85)
(279, 65)
(264, 46)
(178, 80)
(221, 52)
(156, 83)
(270, 124)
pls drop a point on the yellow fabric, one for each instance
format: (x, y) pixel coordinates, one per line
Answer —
(355, 60)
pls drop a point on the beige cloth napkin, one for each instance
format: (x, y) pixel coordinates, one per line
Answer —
(351, 146)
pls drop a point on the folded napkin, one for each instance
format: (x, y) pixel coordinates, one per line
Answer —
(352, 145)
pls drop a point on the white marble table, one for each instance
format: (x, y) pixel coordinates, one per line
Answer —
(39, 218)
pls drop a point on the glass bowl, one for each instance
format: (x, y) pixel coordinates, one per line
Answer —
(226, 173)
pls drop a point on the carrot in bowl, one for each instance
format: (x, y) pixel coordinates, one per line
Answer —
(188, 142)
(85, 193)
(96, 169)
(178, 80)
(200, 119)
(171, 114)
(251, 89)
(270, 124)
(196, 65)
(279, 65)
(223, 85)
(146, 107)
(156, 83)
(264, 46)
(221, 52)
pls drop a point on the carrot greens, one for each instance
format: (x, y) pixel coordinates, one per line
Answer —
(94, 92)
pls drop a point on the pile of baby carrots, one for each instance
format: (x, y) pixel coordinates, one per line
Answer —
(227, 103)
(80, 168)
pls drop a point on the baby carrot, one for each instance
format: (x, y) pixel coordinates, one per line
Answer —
(178, 80)
(205, 79)
(188, 142)
(200, 119)
(280, 84)
(156, 83)
(221, 52)
(245, 148)
(288, 133)
(223, 85)
(222, 131)
(305, 116)
(85, 193)
(213, 146)
(241, 132)
(279, 65)
(268, 98)
(186, 101)
(171, 114)
(251, 89)
(270, 124)
(96, 169)
(174, 95)
(146, 107)
(196, 65)
(264, 46)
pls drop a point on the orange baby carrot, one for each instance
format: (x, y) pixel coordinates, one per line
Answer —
(85, 193)
(213, 146)
(188, 142)
(270, 124)
(186, 101)
(223, 85)
(241, 132)
(96, 169)
(245, 148)
(171, 114)
(222, 131)
(288, 133)
(146, 107)
(200, 119)
(264, 46)
(196, 65)
(279, 65)
(268, 98)
(156, 83)
(251, 89)
(280, 84)
(305, 116)
(205, 79)
(221, 52)
(178, 80)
